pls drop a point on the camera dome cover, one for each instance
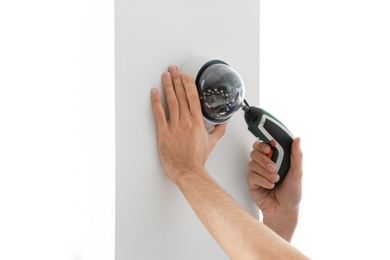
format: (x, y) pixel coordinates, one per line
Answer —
(221, 91)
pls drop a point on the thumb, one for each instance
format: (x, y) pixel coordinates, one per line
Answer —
(218, 132)
(296, 157)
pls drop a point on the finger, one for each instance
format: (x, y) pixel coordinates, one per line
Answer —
(217, 133)
(192, 96)
(296, 158)
(265, 173)
(170, 96)
(179, 90)
(256, 181)
(158, 110)
(262, 147)
(263, 160)
(293, 178)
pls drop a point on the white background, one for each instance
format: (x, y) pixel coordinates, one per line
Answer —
(57, 130)
(326, 62)
(325, 72)
(152, 218)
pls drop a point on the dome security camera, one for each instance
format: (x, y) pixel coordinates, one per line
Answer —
(221, 93)
(221, 89)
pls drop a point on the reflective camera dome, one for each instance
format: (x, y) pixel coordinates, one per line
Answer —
(221, 91)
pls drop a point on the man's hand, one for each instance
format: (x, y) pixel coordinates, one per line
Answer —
(183, 142)
(280, 205)
(184, 146)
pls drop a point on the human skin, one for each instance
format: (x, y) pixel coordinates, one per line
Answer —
(184, 146)
(279, 205)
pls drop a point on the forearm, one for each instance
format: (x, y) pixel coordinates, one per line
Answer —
(283, 224)
(238, 233)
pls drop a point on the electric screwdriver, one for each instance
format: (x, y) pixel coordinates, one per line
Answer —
(271, 131)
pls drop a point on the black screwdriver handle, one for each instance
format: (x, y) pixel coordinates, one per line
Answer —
(271, 131)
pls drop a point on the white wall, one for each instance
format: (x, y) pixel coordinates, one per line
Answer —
(329, 64)
(57, 130)
(153, 220)
(57, 167)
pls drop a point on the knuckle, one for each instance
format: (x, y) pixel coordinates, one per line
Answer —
(253, 166)
(186, 125)
(251, 176)
(171, 100)
(252, 154)
(298, 155)
(193, 96)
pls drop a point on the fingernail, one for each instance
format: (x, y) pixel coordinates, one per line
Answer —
(154, 91)
(271, 186)
(271, 167)
(275, 177)
(265, 149)
(166, 75)
(183, 75)
(172, 68)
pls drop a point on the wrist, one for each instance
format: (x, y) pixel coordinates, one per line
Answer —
(282, 223)
(183, 176)
(291, 215)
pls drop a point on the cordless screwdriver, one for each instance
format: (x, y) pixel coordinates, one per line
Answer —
(221, 93)
(271, 131)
